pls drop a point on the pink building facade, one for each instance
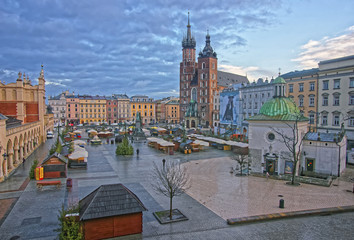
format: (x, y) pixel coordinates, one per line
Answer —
(112, 110)
(72, 109)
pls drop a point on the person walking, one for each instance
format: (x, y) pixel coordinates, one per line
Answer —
(137, 151)
(163, 163)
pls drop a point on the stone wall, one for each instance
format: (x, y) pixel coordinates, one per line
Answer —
(256, 156)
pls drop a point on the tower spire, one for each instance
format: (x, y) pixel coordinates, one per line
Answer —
(188, 41)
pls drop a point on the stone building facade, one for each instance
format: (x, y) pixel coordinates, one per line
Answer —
(336, 96)
(23, 121)
(58, 104)
(253, 96)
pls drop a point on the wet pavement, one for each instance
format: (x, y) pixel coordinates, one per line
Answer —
(231, 196)
(216, 194)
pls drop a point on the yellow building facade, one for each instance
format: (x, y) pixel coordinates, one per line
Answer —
(302, 88)
(92, 109)
(172, 111)
(145, 106)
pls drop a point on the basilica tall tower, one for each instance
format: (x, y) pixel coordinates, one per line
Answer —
(188, 68)
(207, 83)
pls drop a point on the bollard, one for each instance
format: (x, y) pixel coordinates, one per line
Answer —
(69, 183)
(281, 203)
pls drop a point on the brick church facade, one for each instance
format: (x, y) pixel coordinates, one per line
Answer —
(199, 83)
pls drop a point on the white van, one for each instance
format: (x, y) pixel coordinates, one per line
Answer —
(50, 134)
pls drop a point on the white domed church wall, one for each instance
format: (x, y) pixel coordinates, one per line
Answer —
(264, 140)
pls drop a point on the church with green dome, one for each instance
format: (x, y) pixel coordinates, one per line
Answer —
(268, 152)
(280, 119)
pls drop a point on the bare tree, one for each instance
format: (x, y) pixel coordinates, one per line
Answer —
(171, 180)
(292, 141)
(241, 157)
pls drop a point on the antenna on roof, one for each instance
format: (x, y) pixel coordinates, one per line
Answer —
(279, 71)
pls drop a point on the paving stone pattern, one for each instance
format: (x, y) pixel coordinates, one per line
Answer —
(34, 215)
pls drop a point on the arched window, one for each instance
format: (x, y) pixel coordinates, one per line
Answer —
(194, 94)
(203, 65)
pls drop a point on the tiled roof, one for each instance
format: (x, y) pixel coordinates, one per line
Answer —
(337, 59)
(2, 117)
(93, 97)
(225, 79)
(110, 200)
(302, 73)
(121, 96)
(323, 137)
(60, 157)
(12, 122)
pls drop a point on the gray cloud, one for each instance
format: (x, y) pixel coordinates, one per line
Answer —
(105, 47)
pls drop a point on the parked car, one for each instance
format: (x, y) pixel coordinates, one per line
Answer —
(50, 134)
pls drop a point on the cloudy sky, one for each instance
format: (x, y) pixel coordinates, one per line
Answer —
(101, 47)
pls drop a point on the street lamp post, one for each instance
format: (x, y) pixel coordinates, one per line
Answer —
(5, 156)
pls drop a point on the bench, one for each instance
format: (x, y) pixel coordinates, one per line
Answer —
(40, 184)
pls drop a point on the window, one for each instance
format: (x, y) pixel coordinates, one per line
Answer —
(351, 83)
(255, 105)
(336, 120)
(324, 119)
(301, 87)
(312, 118)
(312, 101)
(213, 65)
(335, 100)
(301, 101)
(336, 84)
(351, 122)
(324, 100)
(271, 136)
(203, 65)
(351, 99)
(312, 86)
(325, 85)
(291, 88)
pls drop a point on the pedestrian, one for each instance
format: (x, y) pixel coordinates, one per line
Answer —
(163, 163)
(267, 175)
(137, 151)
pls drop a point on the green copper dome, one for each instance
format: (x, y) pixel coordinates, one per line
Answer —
(279, 80)
(279, 106)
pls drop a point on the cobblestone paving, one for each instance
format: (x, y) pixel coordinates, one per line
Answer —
(34, 216)
(231, 196)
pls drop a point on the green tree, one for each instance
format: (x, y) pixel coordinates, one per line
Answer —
(32, 174)
(124, 148)
(69, 226)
